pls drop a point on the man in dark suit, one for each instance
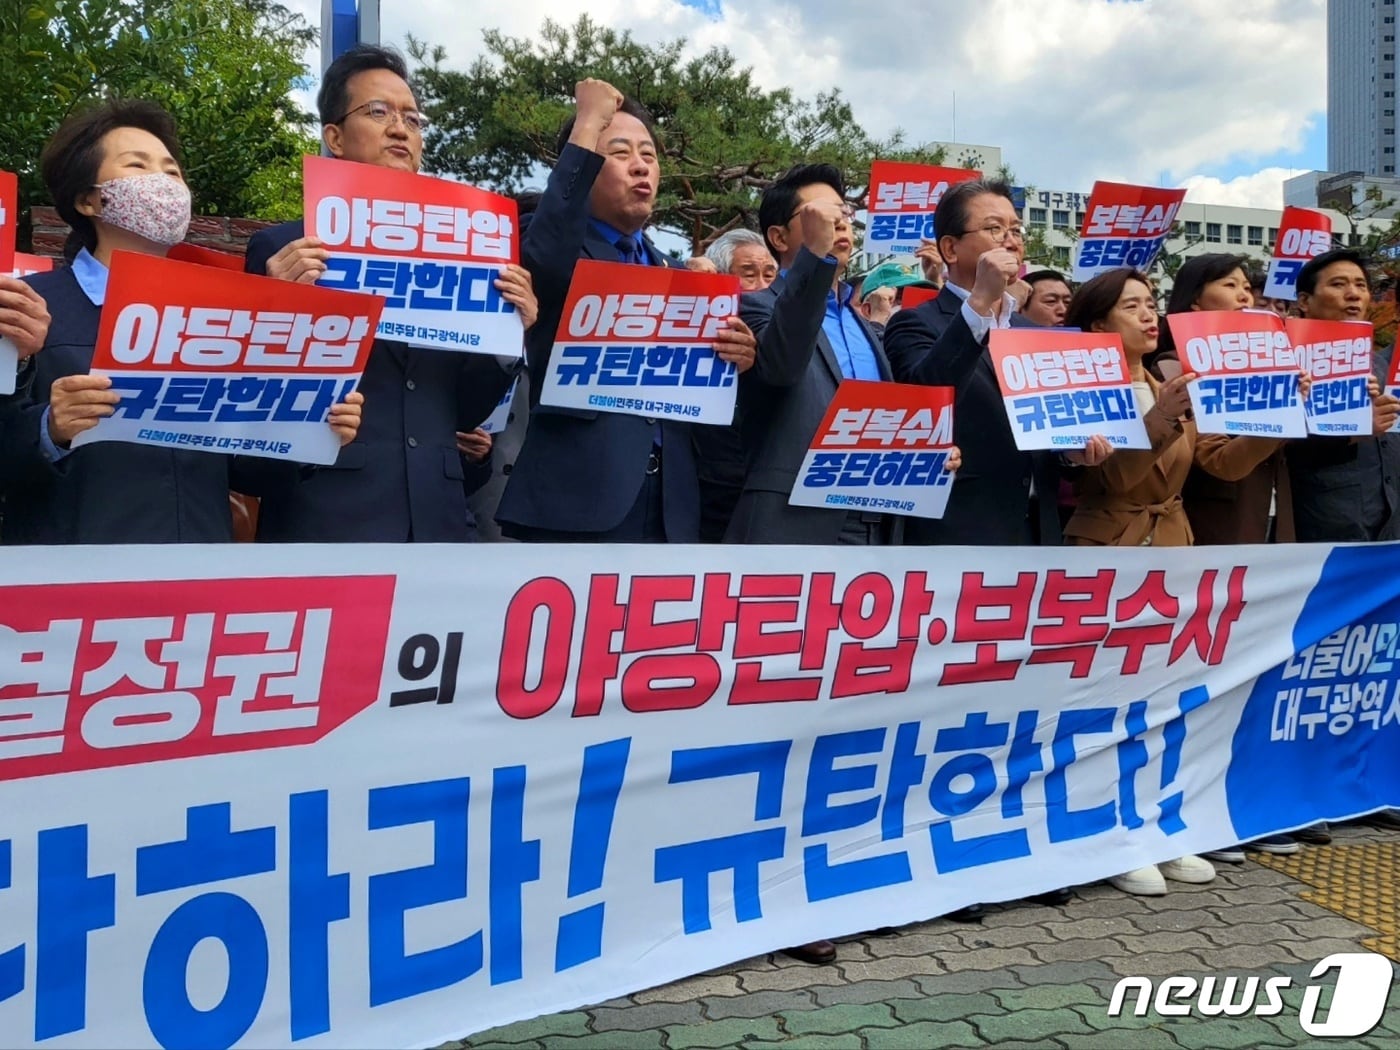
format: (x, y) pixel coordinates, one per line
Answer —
(588, 476)
(810, 338)
(403, 479)
(1002, 496)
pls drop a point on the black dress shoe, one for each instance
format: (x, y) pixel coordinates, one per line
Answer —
(1314, 835)
(818, 953)
(1385, 819)
(972, 913)
(1054, 898)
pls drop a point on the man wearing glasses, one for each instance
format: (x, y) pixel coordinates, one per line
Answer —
(403, 479)
(1002, 496)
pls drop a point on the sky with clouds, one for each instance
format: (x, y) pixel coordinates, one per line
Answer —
(1227, 99)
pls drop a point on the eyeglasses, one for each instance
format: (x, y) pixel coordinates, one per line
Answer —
(997, 232)
(381, 112)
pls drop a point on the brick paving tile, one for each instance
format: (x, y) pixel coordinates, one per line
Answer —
(718, 1034)
(896, 967)
(789, 977)
(1047, 996)
(640, 1018)
(1161, 964)
(847, 1017)
(1078, 951)
(648, 1040)
(1227, 1033)
(968, 982)
(542, 1028)
(944, 1007)
(988, 959)
(1032, 1024)
(859, 992)
(844, 1041)
(1092, 927)
(762, 1004)
(920, 1036)
(1089, 971)
(704, 987)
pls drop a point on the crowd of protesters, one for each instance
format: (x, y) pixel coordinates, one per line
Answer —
(416, 465)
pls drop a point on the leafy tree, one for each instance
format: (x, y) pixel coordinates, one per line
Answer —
(725, 138)
(224, 68)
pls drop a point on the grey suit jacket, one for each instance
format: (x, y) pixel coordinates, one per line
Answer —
(782, 400)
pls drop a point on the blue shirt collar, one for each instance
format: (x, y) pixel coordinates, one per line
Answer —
(91, 276)
(611, 233)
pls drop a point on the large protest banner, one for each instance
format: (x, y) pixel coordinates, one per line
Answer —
(386, 796)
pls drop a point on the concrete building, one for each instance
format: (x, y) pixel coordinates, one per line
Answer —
(1361, 86)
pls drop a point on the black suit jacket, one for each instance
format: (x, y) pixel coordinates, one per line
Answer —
(932, 344)
(782, 400)
(111, 492)
(402, 477)
(581, 471)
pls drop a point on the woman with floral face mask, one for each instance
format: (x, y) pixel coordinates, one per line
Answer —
(114, 176)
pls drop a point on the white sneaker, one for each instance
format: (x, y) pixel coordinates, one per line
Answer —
(1187, 869)
(1143, 882)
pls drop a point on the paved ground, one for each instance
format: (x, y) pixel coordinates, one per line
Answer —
(1031, 976)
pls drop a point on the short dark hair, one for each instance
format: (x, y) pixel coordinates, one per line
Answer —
(779, 200)
(1095, 299)
(334, 97)
(950, 220)
(1312, 269)
(71, 159)
(629, 105)
(1197, 272)
(1036, 276)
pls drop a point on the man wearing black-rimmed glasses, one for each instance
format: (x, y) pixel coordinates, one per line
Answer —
(1002, 496)
(404, 478)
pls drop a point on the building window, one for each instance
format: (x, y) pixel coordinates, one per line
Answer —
(1388, 94)
(1388, 76)
(1059, 255)
(1256, 236)
(1061, 219)
(1038, 216)
(1213, 232)
(1234, 234)
(1079, 220)
(1193, 229)
(1390, 39)
(1388, 149)
(1273, 234)
(1389, 168)
(1390, 113)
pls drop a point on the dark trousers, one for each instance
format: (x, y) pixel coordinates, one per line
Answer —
(644, 523)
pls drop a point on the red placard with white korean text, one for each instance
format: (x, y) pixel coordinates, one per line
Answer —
(209, 360)
(1302, 234)
(1062, 388)
(639, 340)
(1392, 386)
(881, 447)
(1249, 376)
(1337, 354)
(430, 248)
(25, 264)
(902, 201)
(1124, 226)
(9, 219)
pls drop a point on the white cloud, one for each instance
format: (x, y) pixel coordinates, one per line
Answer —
(1072, 90)
(1262, 189)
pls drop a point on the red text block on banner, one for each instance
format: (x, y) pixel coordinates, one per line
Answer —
(1124, 226)
(1249, 372)
(1337, 354)
(1302, 234)
(111, 674)
(9, 219)
(639, 340)
(902, 201)
(1062, 388)
(881, 447)
(430, 248)
(211, 360)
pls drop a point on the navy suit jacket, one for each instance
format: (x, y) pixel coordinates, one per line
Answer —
(582, 471)
(402, 477)
(932, 344)
(111, 492)
(782, 400)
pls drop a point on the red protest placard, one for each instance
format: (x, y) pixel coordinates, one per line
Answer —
(1248, 372)
(1062, 388)
(431, 248)
(1337, 354)
(902, 201)
(9, 219)
(207, 359)
(1124, 225)
(193, 253)
(1302, 234)
(639, 340)
(914, 295)
(25, 264)
(881, 447)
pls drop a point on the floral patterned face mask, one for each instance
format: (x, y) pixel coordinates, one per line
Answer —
(155, 206)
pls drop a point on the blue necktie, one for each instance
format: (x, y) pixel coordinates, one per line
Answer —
(629, 249)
